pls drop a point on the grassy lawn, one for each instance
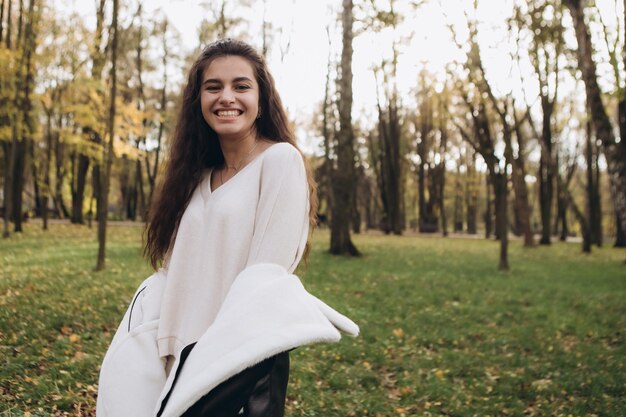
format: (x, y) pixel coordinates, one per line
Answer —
(443, 333)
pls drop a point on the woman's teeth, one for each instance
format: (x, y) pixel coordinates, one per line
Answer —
(228, 113)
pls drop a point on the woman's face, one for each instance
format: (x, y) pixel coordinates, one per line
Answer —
(230, 96)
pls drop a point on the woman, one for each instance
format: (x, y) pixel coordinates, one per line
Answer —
(230, 224)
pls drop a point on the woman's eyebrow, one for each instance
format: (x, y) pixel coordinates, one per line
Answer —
(216, 80)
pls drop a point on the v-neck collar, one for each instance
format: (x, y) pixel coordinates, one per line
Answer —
(210, 192)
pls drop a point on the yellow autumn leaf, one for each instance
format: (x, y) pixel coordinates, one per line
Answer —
(398, 332)
(74, 338)
(440, 374)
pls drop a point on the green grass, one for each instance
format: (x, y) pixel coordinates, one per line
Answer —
(443, 333)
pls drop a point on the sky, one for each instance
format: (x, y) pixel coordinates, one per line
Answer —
(300, 73)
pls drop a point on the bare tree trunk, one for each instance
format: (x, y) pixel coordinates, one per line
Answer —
(2, 20)
(23, 101)
(615, 154)
(327, 164)
(620, 236)
(103, 201)
(519, 184)
(546, 178)
(46, 170)
(584, 224)
(620, 230)
(488, 214)
(471, 193)
(18, 161)
(78, 188)
(141, 195)
(458, 198)
(151, 174)
(125, 192)
(499, 181)
(340, 241)
(35, 177)
(61, 208)
(95, 193)
(6, 148)
(561, 204)
(594, 217)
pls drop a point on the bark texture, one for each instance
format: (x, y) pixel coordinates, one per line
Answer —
(343, 176)
(615, 153)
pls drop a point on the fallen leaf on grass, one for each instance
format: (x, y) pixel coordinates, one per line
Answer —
(541, 384)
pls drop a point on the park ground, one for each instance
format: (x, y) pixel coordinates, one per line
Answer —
(443, 333)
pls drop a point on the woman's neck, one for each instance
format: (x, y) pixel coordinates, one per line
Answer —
(236, 149)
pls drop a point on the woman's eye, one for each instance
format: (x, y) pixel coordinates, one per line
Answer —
(243, 87)
(213, 88)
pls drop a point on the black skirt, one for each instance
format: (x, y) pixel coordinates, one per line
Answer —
(258, 391)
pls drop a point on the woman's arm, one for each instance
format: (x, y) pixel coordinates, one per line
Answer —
(282, 216)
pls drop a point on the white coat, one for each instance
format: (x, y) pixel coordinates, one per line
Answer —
(266, 311)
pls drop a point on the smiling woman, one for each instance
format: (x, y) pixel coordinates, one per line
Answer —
(205, 335)
(230, 106)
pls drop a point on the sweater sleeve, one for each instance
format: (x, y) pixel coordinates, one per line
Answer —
(282, 217)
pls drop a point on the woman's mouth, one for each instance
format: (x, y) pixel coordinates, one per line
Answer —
(228, 113)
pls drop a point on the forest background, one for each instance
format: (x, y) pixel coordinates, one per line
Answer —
(468, 117)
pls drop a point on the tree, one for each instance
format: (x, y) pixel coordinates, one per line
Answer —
(431, 143)
(543, 21)
(103, 201)
(8, 58)
(482, 136)
(24, 121)
(615, 153)
(389, 134)
(343, 174)
(593, 206)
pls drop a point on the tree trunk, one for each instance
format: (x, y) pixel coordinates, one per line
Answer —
(488, 214)
(46, 170)
(103, 201)
(6, 148)
(545, 195)
(35, 178)
(125, 191)
(620, 236)
(458, 199)
(519, 184)
(24, 105)
(584, 223)
(594, 215)
(18, 162)
(614, 153)
(141, 195)
(2, 20)
(340, 241)
(499, 181)
(61, 208)
(78, 189)
(471, 194)
(561, 208)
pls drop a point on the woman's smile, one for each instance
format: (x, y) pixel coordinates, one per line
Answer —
(230, 97)
(228, 114)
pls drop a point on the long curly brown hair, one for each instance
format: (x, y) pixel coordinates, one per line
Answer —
(195, 146)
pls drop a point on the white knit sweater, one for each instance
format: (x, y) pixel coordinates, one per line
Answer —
(258, 216)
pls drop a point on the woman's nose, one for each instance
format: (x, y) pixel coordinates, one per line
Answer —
(227, 96)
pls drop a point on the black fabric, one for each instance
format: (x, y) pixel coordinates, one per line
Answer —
(183, 357)
(259, 391)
